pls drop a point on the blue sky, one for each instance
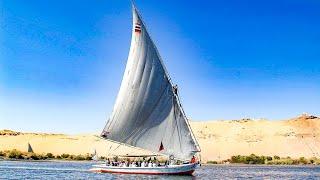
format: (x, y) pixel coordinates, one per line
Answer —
(61, 62)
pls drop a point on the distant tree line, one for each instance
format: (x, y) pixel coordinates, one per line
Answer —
(275, 160)
(16, 154)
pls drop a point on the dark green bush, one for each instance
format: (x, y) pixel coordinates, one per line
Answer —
(72, 157)
(64, 156)
(269, 158)
(50, 155)
(79, 158)
(212, 162)
(2, 153)
(303, 160)
(88, 157)
(15, 154)
(34, 156)
(252, 159)
(276, 157)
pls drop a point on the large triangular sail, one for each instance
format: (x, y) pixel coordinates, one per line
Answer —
(147, 112)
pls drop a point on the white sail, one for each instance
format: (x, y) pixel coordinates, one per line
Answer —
(147, 112)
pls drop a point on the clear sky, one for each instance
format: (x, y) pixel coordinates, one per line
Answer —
(61, 62)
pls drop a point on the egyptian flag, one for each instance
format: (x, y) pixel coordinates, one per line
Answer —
(137, 27)
(161, 147)
(105, 134)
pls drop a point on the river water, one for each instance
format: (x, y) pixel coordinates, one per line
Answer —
(79, 170)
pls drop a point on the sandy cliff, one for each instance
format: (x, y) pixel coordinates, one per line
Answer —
(218, 139)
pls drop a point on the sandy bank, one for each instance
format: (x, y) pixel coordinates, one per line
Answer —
(219, 140)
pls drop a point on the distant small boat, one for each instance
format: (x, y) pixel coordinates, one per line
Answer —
(95, 156)
(148, 113)
(30, 148)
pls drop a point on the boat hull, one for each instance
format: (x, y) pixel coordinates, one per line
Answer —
(185, 169)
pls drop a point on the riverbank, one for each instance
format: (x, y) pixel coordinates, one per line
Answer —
(252, 159)
(19, 155)
(268, 160)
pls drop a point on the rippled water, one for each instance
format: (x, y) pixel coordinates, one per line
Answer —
(79, 170)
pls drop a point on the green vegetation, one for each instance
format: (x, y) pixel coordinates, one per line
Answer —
(65, 156)
(252, 159)
(15, 154)
(290, 161)
(276, 157)
(275, 160)
(50, 155)
(212, 162)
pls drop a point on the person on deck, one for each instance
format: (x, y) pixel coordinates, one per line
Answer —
(154, 164)
(108, 162)
(193, 159)
(166, 163)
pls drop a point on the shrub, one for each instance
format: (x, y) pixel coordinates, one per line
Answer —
(288, 161)
(34, 156)
(276, 157)
(302, 160)
(73, 157)
(252, 159)
(212, 162)
(50, 155)
(2, 153)
(15, 154)
(88, 157)
(79, 158)
(269, 158)
(64, 156)
(43, 156)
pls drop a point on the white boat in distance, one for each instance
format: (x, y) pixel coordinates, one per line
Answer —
(147, 113)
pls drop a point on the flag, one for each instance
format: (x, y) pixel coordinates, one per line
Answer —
(105, 134)
(161, 147)
(137, 28)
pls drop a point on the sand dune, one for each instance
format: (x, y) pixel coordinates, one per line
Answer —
(218, 140)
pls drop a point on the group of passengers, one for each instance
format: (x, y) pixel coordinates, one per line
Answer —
(141, 163)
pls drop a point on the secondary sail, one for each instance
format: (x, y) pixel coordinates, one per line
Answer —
(147, 112)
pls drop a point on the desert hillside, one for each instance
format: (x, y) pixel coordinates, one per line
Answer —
(218, 140)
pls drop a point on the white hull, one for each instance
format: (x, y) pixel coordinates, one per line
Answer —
(185, 169)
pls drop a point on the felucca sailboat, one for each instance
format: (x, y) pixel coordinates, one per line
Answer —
(147, 113)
